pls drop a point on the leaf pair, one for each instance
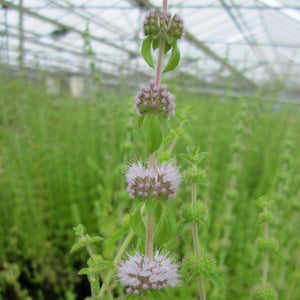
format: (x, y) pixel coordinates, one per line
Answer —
(149, 43)
(165, 222)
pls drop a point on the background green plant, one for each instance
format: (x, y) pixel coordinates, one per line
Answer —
(61, 162)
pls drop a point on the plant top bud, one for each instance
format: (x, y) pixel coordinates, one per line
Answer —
(157, 23)
(266, 245)
(193, 175)
(195, 214)
(266, 216)
(203, 266)
(156, 100)
(263, 292)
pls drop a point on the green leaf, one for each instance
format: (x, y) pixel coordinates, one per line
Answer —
(140, 122)
(253, 256)
(216, 279)
(167, 47)
(166, 227)
(77, 246)
(155, 44)
(174, 58)
(181, 228)
(152, 132)
(84, 271)
(94, 239)
(280, 256)
(164, 122)
(169, 39)
(137, 224)
(151, 205)
(146, 51)
(113, 239)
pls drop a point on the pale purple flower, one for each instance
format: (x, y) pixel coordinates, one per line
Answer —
(146, 183)
(140, 273)
(153, 99)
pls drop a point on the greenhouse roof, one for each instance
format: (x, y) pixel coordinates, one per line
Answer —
(258, 40)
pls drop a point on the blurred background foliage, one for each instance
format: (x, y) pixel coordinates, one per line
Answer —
(61, 162)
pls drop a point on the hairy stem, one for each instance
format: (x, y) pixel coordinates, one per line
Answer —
(110, 296)
(196, 240)
(266, 258)
(120, 253)
(149, 238)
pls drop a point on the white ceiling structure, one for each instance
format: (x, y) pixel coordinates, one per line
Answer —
(257, 40)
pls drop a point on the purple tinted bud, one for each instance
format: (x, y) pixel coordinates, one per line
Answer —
(163, 190)
(154, 286)
(145, 286)
(136, 292)
(153, 99)
(129, 290)
(141, 185)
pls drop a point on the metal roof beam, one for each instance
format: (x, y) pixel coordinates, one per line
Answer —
(70, 28)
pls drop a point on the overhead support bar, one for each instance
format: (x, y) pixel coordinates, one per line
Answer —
(67, 27)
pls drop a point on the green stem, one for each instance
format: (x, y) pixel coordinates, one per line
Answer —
(266, 258)
(116, 260)
(90, 251)
(196, 240)
(149, 235)
(92, 290)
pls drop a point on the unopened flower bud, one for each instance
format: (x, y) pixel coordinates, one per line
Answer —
(263, 292)
(156, 100)
(176, 27)
(266, 245)
(266, 216)
(197, 213)
(203, 266)
(193, 175)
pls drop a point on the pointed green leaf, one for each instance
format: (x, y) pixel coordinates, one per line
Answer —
(94, 239)
(280, 256)
(216, 279)
(140, 122)
(174, 58)
(146, 51)
(166, 227)
(151, 205)
(152, 133)
(84, 271)
(164, 122)
(137, 224)
(167, 47)
(114, 238)
(155, 44)
(77, 246)
(169, 39)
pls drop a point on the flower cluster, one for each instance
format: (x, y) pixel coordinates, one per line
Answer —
(158, 22)
(146, 183)
(153, 99)
(140, 273)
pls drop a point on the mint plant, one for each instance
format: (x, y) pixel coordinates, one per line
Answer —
(198, 265)
(266, 246)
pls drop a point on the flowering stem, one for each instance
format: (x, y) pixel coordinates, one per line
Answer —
(152, 158)
(149, 239)
(90, 251)
(116, 260)
(196, 239)
(266, 258)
